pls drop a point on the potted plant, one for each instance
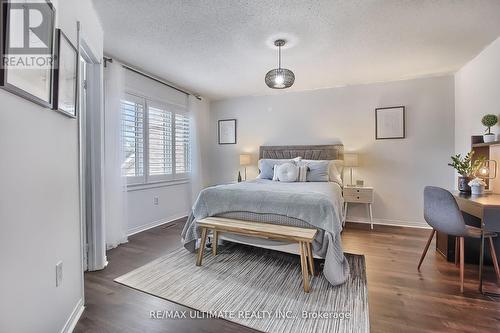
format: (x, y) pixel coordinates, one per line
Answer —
(489, 121)
(466, 168)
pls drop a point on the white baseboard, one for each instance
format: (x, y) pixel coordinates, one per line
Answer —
(154, 224)
(74, 317)
(396, 223)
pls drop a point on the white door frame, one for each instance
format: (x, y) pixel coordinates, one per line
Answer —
(91, 161)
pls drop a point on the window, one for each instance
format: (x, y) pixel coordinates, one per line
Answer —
(156, 142)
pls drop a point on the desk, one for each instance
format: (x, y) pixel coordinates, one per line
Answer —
(475, 205)
(487, 208)
(474, 208)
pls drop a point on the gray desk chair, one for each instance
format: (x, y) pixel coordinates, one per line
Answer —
(441, 212)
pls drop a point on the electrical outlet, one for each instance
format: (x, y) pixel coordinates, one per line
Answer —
(156, 200)
(59, 273)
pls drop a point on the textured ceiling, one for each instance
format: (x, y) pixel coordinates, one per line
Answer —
(223, 48)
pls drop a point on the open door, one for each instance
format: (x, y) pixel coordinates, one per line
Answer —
(92, 155)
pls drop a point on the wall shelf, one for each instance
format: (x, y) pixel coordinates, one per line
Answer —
(477, 142)
(482, 144)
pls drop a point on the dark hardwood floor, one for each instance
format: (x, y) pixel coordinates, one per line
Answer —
(400, 298)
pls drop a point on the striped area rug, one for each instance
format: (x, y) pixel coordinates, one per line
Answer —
(257, 288)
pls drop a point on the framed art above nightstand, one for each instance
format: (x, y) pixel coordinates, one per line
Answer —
(358, 194)
(227, 131)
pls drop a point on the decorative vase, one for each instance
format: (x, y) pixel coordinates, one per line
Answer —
(489, 137)
(239, 177)
(463, 184)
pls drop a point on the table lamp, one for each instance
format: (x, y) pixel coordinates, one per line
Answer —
(351, 160)
(488, 170)
(244, 161)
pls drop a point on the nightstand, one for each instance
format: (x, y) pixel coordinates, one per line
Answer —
(358, 194)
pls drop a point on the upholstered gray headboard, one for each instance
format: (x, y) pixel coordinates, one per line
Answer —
(309, 152)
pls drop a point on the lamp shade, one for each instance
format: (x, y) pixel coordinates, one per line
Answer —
(351, 160)
(280, 78)
(244, 159)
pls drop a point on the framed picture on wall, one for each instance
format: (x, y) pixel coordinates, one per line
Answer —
(65, 75)
(390, 123)
(227, 132)
(26, 67)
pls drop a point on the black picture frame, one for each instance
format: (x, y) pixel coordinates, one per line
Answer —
(234, 139)
(61, 38)
(381, 136)
(5, 6)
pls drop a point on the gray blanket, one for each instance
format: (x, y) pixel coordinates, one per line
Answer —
(317, 204)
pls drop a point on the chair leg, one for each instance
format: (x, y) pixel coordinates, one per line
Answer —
(481, 262)
(461, 264)
(426, 248)
(494, 258)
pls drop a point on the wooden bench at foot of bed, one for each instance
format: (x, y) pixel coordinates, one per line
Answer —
(302, 236)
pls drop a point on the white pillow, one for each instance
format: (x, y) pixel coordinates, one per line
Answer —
(287, 172)
(335, 175)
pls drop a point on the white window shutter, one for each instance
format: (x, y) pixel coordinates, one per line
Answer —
(160, 142)
(133, 138)
(182, 145)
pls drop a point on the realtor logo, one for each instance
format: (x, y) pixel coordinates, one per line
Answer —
(28, 34)
(28, 29)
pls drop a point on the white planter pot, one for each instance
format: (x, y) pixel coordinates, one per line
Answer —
(477, 189)
(489, 137)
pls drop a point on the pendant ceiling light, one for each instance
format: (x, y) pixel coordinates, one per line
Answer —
(280, 78)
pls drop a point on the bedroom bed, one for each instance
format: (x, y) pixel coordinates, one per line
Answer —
(308, 204)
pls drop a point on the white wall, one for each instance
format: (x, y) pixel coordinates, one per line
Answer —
(173, 203)
(39, 212)
(477, 89)
(397, 169)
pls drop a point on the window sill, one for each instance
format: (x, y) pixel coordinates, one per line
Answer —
(139, 187)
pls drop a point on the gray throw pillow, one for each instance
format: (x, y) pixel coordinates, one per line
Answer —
(266, 167)
(318, 171)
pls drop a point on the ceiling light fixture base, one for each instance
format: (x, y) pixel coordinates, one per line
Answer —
(279, 42)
